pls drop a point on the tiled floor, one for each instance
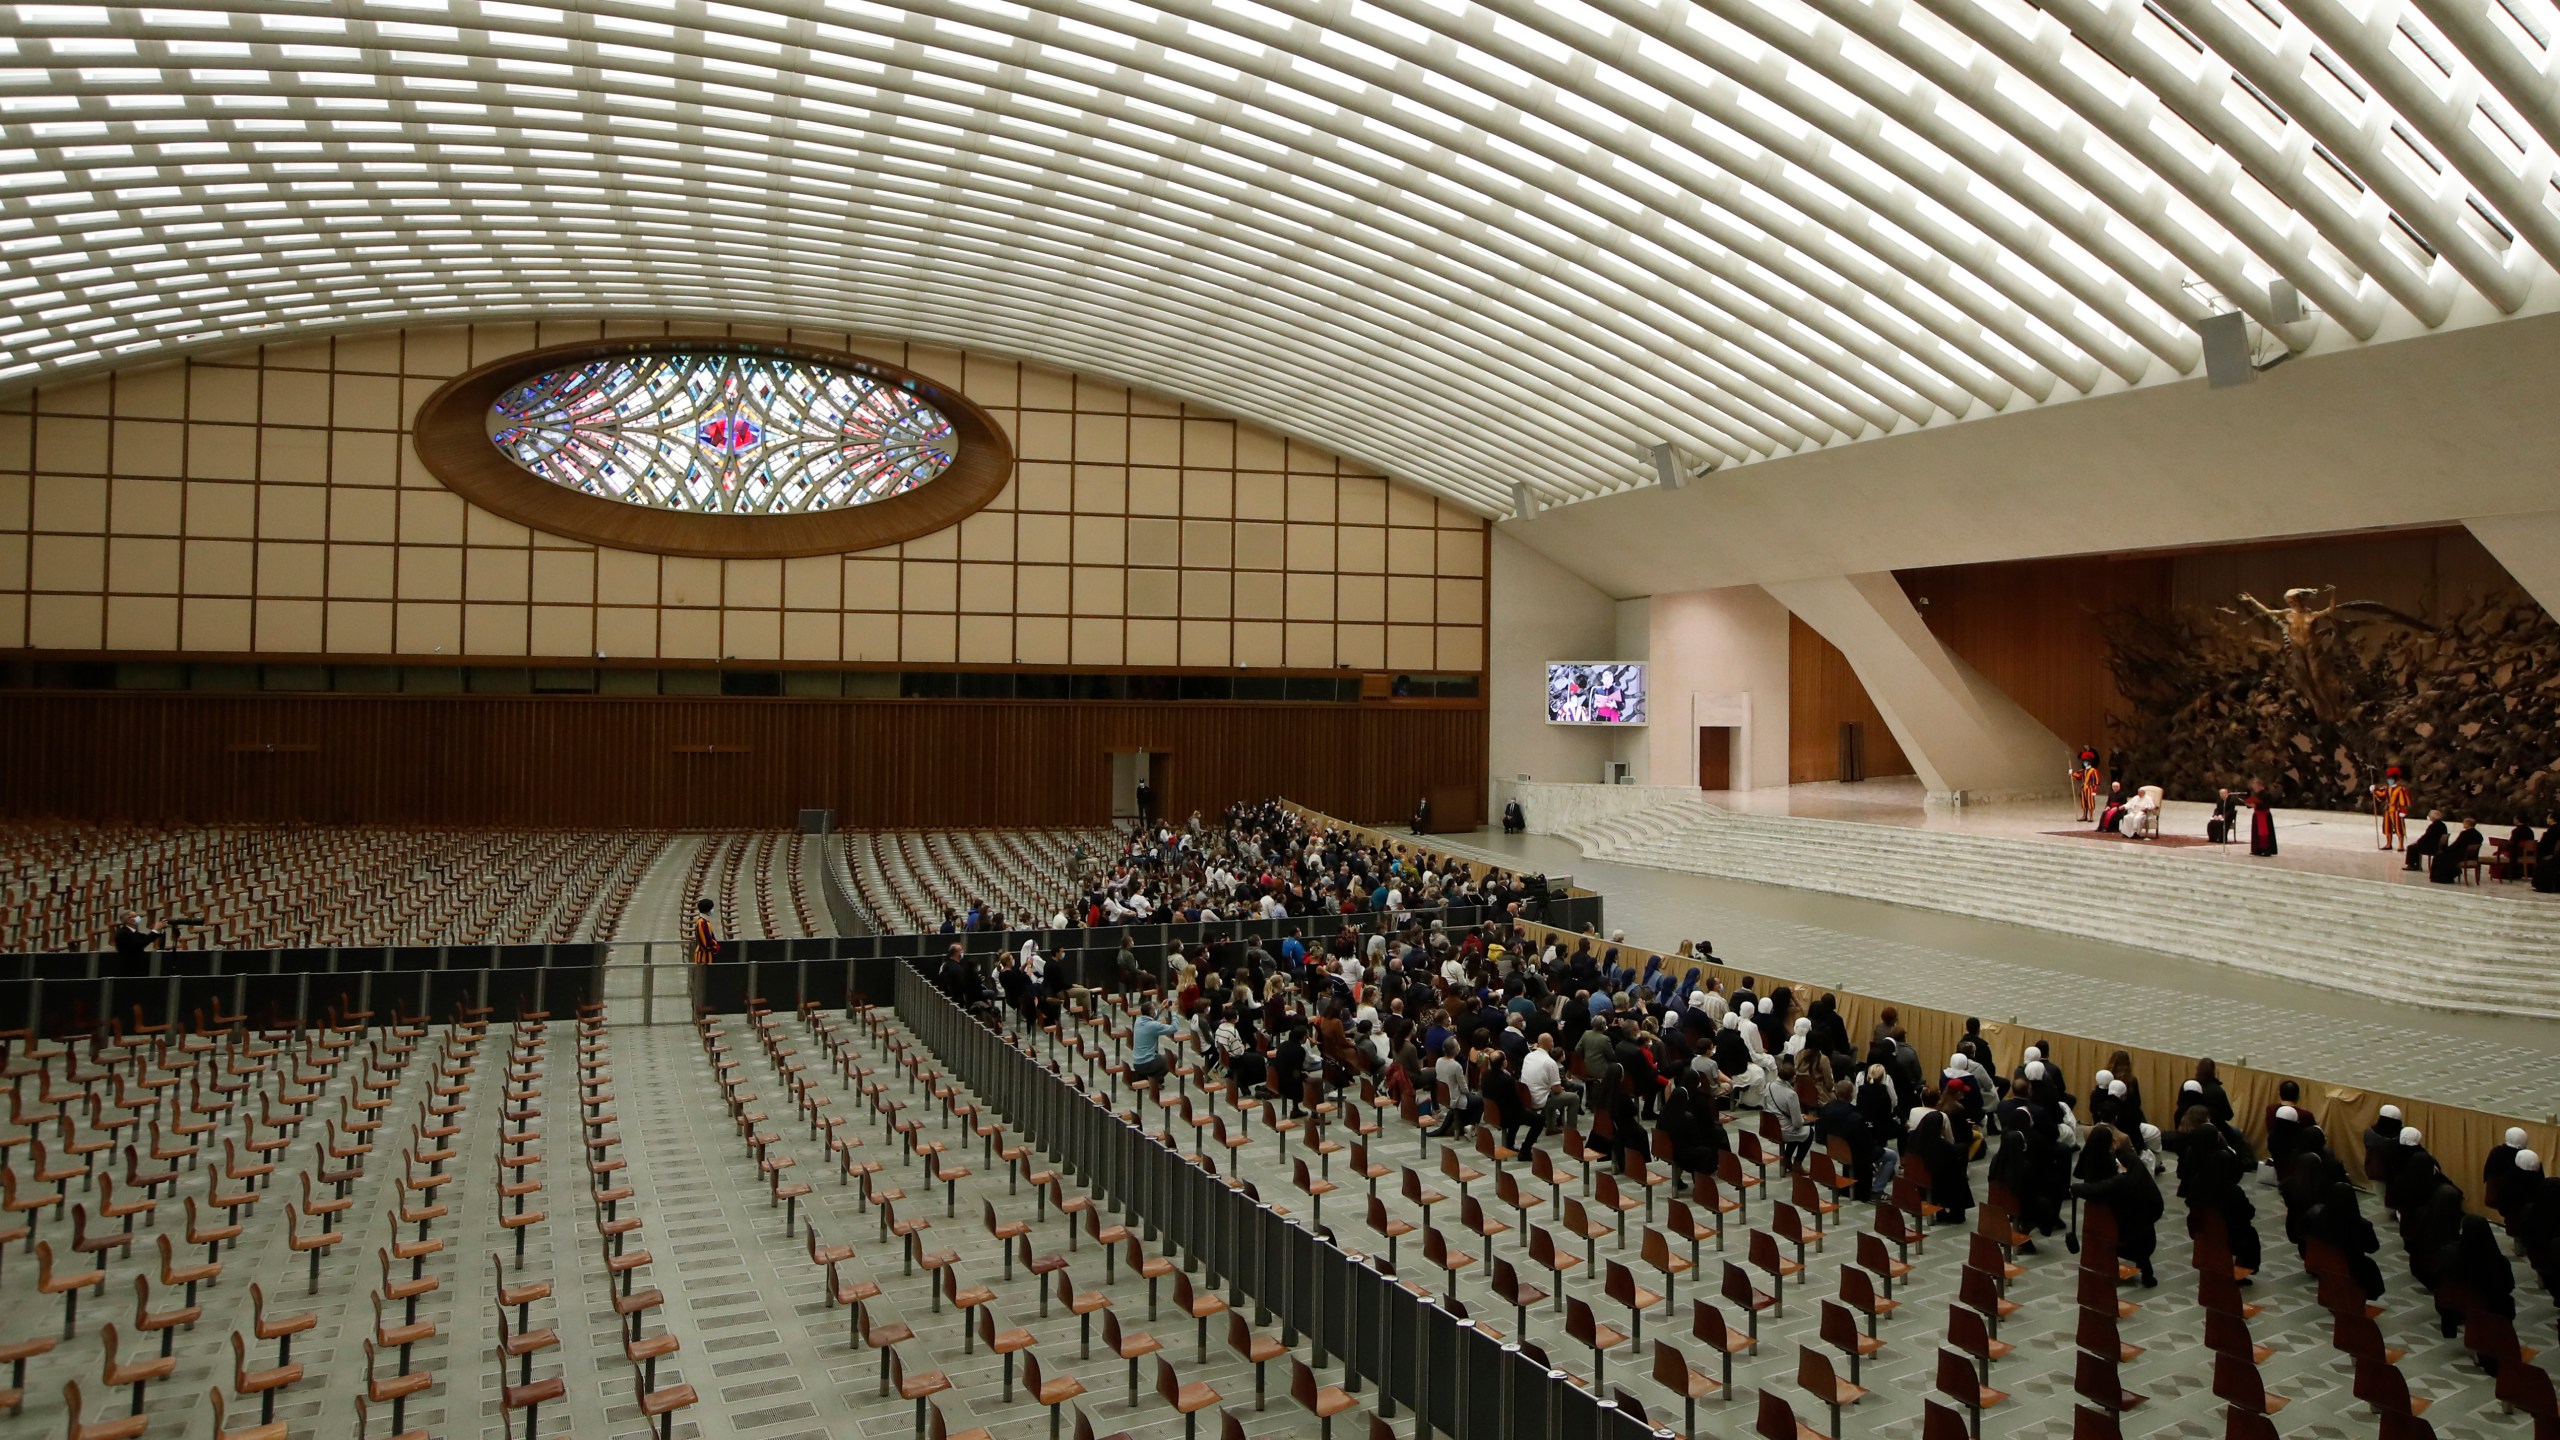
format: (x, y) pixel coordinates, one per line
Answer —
(772, 1360)
(2121, 993)
(2174, 1374)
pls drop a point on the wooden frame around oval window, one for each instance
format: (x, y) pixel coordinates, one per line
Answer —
(451, 436)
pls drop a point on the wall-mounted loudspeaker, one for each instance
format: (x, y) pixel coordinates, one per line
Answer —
(1668, 470)
(2226, 349)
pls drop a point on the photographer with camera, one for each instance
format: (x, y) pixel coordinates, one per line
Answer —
(135, 938)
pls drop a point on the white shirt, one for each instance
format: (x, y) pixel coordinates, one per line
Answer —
(1539, 1075)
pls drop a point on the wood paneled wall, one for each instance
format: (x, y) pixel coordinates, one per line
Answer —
(1823, 692)
(2035, 628)
(599, 761)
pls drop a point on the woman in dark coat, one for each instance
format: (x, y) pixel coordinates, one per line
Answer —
(2114, 1176)
(1939, 1146)
(2209, 1173)
(2338, 1221)
(2474, 1277)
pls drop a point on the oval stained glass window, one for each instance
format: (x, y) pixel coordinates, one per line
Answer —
(711, 433)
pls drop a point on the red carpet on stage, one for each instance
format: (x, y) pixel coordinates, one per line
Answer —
(2166, 842)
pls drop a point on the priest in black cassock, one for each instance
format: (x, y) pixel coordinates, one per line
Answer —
(2445, 868)
(2429, 841)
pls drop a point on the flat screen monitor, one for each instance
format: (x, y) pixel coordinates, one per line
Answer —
(1609, 692)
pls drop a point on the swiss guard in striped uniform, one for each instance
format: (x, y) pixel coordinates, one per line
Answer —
(706, 946)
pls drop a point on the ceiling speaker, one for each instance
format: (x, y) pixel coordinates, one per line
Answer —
(2226, 349)
(1667, 468)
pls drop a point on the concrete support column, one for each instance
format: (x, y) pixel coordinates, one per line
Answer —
(1963, 735)
(2529, 546)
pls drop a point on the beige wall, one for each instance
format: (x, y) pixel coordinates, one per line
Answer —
(1719, 658)
(2436, 430)
(1541, 613)
(267, 502)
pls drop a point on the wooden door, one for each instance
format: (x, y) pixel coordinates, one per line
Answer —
(1715, 757)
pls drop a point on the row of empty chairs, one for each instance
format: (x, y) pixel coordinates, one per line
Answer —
(908, 880)
(1035, 1272)
(269, 1153)
(1584, 1251)
(259, 887)
(755, 877)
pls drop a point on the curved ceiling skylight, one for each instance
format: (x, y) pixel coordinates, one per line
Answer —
(721, 434)
(1469, 243)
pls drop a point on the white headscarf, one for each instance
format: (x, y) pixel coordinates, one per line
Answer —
(2409, 1135)
(2528, 1161)
(2516, 1137)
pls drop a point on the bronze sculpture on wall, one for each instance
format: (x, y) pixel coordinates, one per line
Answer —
(2316, 697)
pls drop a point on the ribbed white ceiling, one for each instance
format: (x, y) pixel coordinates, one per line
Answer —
(1470, 243)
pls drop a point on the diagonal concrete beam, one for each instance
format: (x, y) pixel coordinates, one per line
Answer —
(2529, 546)
(1963, 735)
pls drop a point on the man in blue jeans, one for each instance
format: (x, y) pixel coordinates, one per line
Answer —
(1145, 1062)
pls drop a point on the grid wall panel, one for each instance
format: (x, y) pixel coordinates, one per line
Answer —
(266, 502)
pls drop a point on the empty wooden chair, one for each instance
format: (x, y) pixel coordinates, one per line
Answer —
(1815, 1377)
(2094, 1378)
(1738, 1290)
(1052, 1391)
(67, 1283)
(117, 1373)
(1674, 1373)
(1777, 1419)
(1763, 1254)
(391, 1390)
(1969, 1332)
(1515, 1292)
(1322, 1401)
(268, 1430)
(1436, 1252)
(661, 1402)
(1839, 1330)
(1960, 1382)
(263, 1382)
(1255, 1350)
(1619, 1284)
(917, 1387)
(123, 1427)
(1129, 1347)
(1189, 1400)
(1655, 1250)
(15, 1354)
(1580, 1325)
(1199, 1306)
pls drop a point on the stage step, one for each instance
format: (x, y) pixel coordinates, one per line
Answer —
(2423, 945)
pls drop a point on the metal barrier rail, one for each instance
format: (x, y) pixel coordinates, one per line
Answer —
(1458, 1379)
(86, 999)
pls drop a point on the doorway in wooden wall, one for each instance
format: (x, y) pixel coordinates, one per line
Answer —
(1715, 757)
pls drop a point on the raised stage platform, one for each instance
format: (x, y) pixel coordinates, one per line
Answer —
(2330, 911)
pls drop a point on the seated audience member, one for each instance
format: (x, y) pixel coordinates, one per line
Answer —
(2429, 841)
(2445, 867)
(2226, 817)
(2111, 817)
(2516, 853)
